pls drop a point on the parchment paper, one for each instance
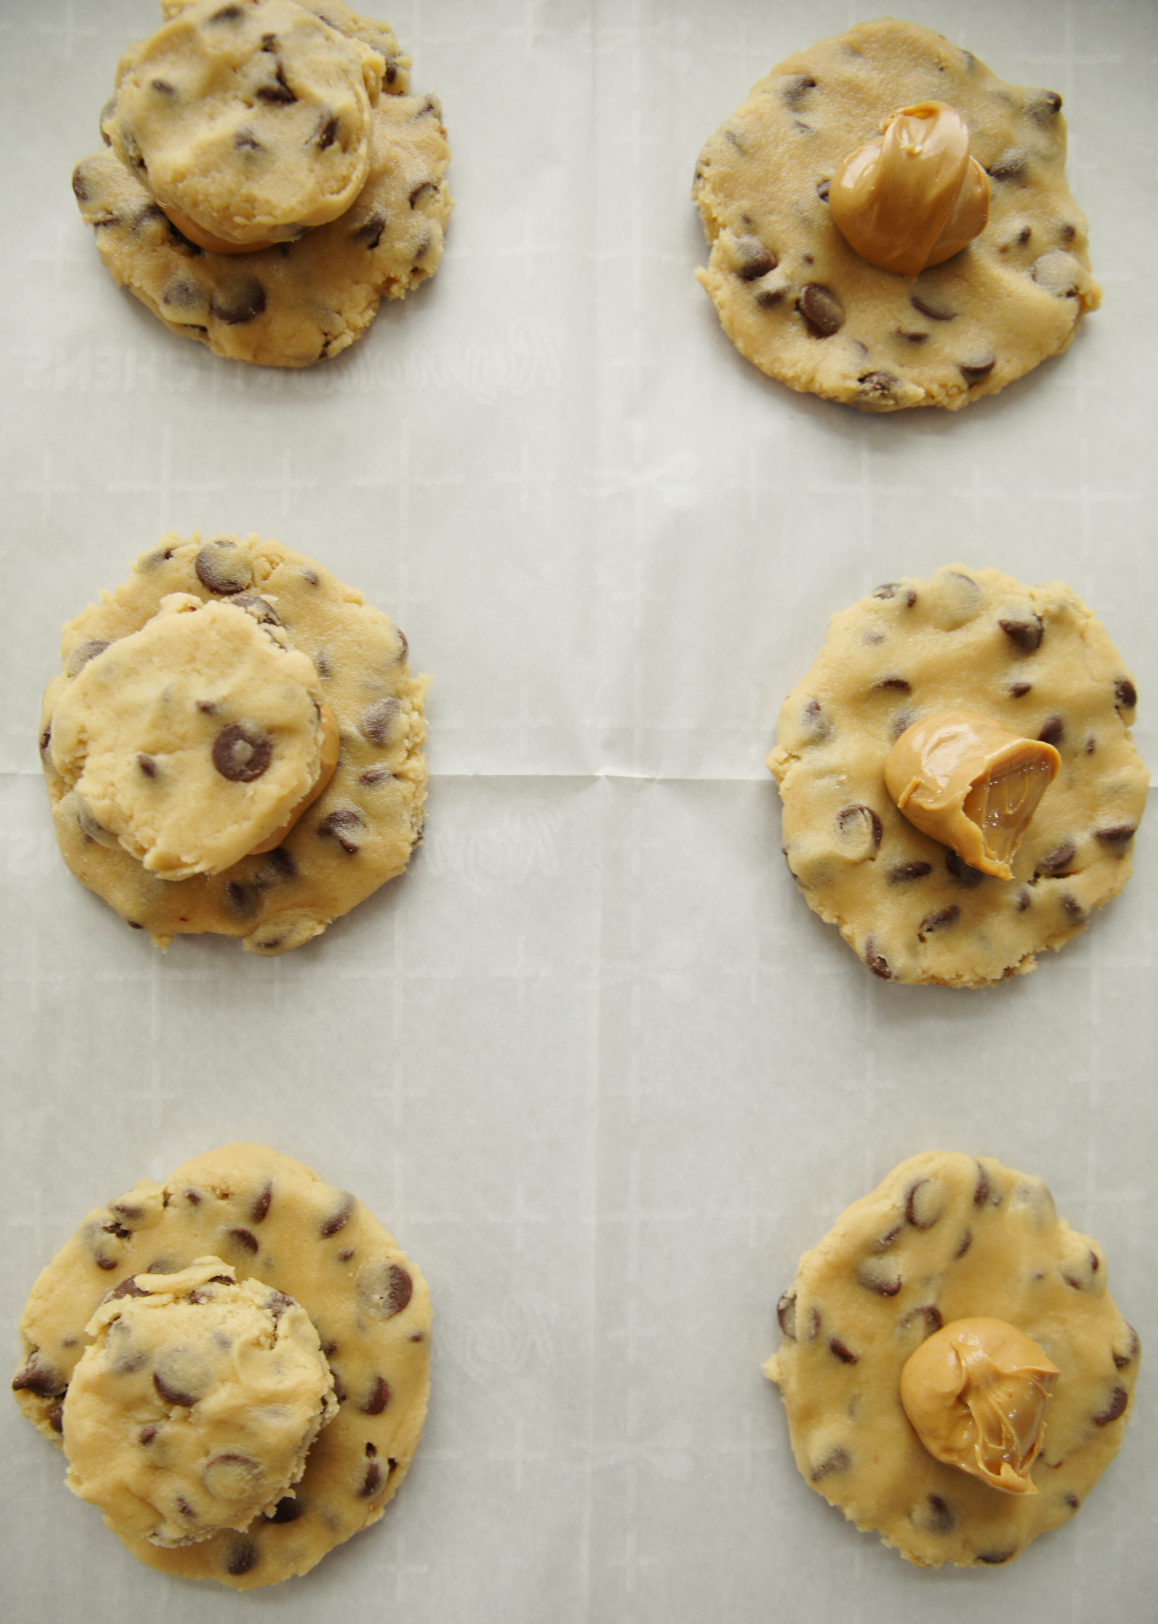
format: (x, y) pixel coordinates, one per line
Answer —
(592, 1060)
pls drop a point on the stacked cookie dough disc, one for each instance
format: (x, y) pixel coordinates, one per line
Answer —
(236, 1363)
(234, 745)
(269, 179)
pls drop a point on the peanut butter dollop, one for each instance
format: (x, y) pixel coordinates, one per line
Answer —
(913, 197)
(976, 1393)
(971, 784)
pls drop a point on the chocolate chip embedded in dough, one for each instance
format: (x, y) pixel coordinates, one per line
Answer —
(838, 1461)
(83, 653)
(1057, 861)
(995, 1558)
(893, 684)
(938, 920)
(786, 1315)
(925, 1203)
(893, 589)
(241, 303)
(902, 873)
(932, 307)
(1010, 164)
(1018, 690)
(815, 723)
(795, 89)
(242, 751)
(1043, 107)
(1072, 908)
(876, 1274)
(340, 825)
(371, 1483)
(222, 567)
(126, 1288)
(860, 826)
(172, 1394)
(1126, 1355)
(277, 92)
(259, 1209)
(961, 871)
(244, 1238)
(822, 311)
(752, 258)
(1125, 694)
(1026, 634)
(385, 1290)
(1053, 731)
(876, 961)
(377, 1398)
(260, 608)
(40, 1378)
(842, 1351)
(1115, 1409)
(927, 1318)
(243, 1556)
(377, 719)
(340, 1217)
(241, 900)
(288, 1509)
(938, 1518)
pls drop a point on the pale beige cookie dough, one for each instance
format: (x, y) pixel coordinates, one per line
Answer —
(194, 739)
(947, 1237)
(282, 660)
(194, 1406)
(801, 304)
(277, 187)
(1031, 658)
(269, 1221)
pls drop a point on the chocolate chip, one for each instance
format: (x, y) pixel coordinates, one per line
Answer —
(912, 338)
(259, 1211)
(278, 93)
(1072, 908)
(377, 719)
(1024, 634)
(222, 568)
(278, 867)
(982, 1189)
(902, 873)
(243, 1556)
(1008, 165)
(172, 1394)
(961, 871)
(386, 1291)
(41, 1379)
(995, 1558)
(1043, 106)
(242, 751)
(938, 920)
(227, 14)
(1119, 1399)
(127, 1288)
(795, 89)
(375, 775)
(372, 1481)
(1123, 1359)
(147, 765)
(1018, 690)
(326, 133)
(241, 900)
(786, 1315)
(860, 820)
(927, 1318)
(258, 607)
(239, 304)
(1053, 731)
(939, 1518)
(339, 1218)
(371, 229)
(877, 385)
(823, 187)
(874, 1275)
(974, 371)
(378, 1397)
(1058, 860)
(844, 1354)
(896, 684)
(822, 311)
(838, 1461)
(246, 141)
(891, 589)
(1125, 694)
(288, 1509)
(753, 259)
(965, 1243)
(927, 307)
(876, 962)
(244, 1238)
(338, 825)
(83, 653)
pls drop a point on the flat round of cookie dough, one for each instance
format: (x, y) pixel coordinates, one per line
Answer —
(273, 1221)
(945, 1238)
(801, 304)
(349, 840)
(1031, 658)
(298, 301)
(252, 119)
(193, 740)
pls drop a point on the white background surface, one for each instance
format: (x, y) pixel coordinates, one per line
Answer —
(592, 1060)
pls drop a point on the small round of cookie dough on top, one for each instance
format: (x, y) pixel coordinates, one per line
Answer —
(989, 689)
(962, 293)
(234, 745)
(953, 1307)
(269, 178)
(236, 1364)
